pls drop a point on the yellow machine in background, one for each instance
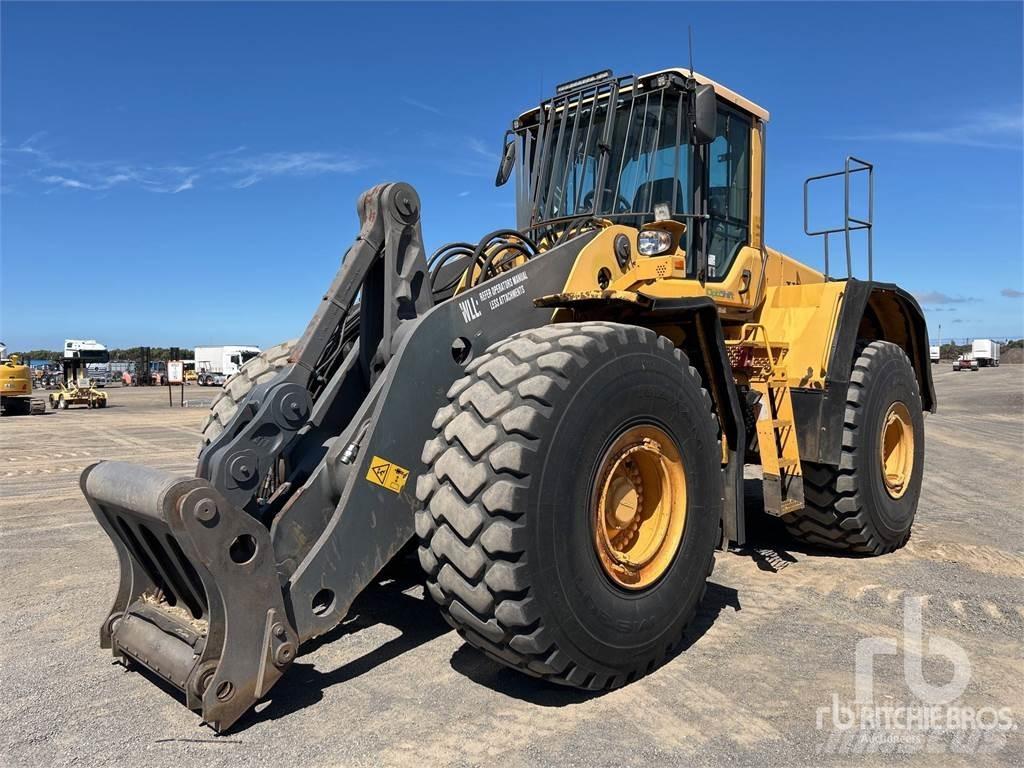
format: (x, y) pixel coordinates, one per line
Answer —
(16, 387)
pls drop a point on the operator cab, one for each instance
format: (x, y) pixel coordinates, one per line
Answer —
(641, 151)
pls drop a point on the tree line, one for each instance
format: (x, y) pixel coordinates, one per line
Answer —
(127, 353)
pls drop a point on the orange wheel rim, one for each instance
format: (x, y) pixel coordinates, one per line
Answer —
(896, 449)
(639, 511)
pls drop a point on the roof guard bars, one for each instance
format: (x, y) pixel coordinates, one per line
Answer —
(850, 223)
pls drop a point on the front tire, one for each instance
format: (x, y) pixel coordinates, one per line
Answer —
(509, 532)
(867, 504)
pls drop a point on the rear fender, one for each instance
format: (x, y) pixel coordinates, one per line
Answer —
(870, 312)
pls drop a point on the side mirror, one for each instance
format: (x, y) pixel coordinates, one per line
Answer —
(508, 160)
(705, 115)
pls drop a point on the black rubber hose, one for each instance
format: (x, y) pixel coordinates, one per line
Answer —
(487, 240)
(453, 250)
(507, 246)
(448, 246)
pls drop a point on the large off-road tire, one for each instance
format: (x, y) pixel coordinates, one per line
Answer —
(853, 507)
(259, 369)
(508, 531)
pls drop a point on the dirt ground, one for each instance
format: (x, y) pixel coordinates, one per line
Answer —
(766, 678)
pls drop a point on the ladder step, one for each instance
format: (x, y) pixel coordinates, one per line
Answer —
(782, 423)
(758, 344)
(790, 505)
(787, 463)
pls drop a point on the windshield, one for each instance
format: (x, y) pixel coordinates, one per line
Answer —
(89, 356)
(572, 162)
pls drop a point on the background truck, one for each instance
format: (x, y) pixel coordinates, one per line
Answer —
(98, 373)
(83, 359)
(934, 353)
(986, 352)
(224, 359)
(87, 358)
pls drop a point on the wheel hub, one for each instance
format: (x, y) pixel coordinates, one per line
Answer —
(640, 507)
(896, 449)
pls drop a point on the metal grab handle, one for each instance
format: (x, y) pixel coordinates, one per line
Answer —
(850, 223)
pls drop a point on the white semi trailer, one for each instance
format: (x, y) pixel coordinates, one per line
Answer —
(986, 352)
(934, 352)
(225, 361)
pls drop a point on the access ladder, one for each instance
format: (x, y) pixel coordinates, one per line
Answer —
(763, 364)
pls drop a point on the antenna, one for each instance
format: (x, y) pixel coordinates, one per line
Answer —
(689, 34)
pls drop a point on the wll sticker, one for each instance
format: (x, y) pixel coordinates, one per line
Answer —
(387, 474)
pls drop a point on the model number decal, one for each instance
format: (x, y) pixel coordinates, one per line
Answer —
(493, 296)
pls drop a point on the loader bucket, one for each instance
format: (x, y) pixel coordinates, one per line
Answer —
(199, 602)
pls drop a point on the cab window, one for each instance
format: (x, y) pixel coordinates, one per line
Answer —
(729, 188)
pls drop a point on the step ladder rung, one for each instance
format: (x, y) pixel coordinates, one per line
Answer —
(787, 463)
(757, 344)
(790, 505)
(782, 423)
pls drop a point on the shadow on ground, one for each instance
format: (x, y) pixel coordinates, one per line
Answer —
(383, 602)
(392, 600)
(509, 682)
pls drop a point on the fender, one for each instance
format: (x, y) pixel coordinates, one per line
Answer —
(704, 344)
(870, 311)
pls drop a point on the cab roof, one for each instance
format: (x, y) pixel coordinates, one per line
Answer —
(725, 93)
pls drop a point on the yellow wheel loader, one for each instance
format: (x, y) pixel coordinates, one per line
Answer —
(558, 414)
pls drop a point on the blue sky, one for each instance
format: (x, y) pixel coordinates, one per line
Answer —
(187, 173)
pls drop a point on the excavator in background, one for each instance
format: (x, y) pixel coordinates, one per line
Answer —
(556, 416)
(16, 387)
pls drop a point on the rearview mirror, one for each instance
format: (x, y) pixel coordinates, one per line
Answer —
(705, 115)
(508, 160)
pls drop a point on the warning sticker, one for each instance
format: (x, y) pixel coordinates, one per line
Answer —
(387, 474)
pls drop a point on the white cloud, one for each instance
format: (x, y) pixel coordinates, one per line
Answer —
(936, 297)
(480, 148)
(66, 182)
(420, 105)
(254, 169)
(238, 169)
(992, 130)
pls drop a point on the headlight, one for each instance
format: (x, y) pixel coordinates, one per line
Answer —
(653, 241)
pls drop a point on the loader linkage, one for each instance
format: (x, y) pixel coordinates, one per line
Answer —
(290, 515)
(200, 601)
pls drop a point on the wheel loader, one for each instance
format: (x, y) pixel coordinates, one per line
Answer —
(556, 416)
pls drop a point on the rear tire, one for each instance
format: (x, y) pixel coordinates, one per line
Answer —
(259, 369)
(507, 529)
(850, 507)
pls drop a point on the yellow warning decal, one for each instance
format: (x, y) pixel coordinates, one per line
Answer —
(387, 474)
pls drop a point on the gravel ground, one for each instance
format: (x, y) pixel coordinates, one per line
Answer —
(773, 647)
